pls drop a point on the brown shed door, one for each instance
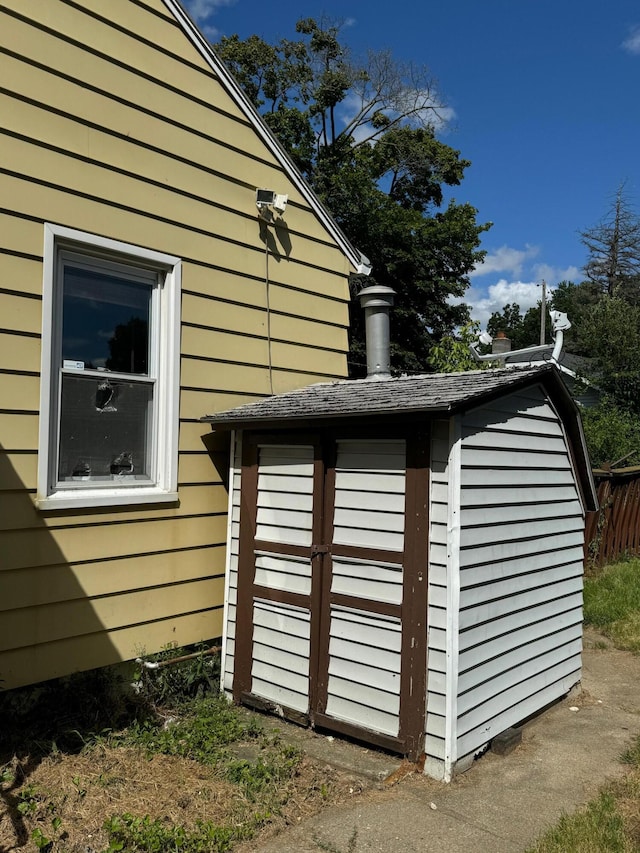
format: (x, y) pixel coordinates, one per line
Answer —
(332, 584)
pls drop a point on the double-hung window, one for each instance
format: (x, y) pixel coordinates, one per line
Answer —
(110, 373)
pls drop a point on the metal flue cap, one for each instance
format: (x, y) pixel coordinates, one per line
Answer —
(376, 296)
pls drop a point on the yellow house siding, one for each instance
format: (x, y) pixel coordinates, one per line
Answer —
(18, 430)
(31, 664)
(114, 124)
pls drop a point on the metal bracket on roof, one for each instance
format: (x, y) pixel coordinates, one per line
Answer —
(559, 323)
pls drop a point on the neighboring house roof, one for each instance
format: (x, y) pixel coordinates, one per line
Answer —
(574, 369)
(356, 258)
(431, 394)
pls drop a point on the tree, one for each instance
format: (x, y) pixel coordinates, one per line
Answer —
(452, 355)
(364, 136)
(613, 247)
(612, 434)
(508, 321)
(576, 301)
(610, 335)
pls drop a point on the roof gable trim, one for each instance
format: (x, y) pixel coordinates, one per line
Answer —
(357, 259)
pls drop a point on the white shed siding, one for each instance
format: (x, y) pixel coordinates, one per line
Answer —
(369, 494)
(520, 567)
(281, 646)
(231, 598)
(437, 596)
(363, 683)
(285, 494)
(364, 669)
(370, 579)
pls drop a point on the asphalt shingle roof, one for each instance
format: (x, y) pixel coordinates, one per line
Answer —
(435, 392)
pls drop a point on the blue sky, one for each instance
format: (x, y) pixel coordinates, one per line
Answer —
(544, 101)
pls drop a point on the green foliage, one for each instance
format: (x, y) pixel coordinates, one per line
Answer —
(612, 603)
(631, 755)
(452, 355)
(65, 714)
(183, 681)
(612, 434)
(130, 834)
(388, 197)
(598, 828)
(204, 727)
(269, 771)
(610, 333)
(576, 301)
(37, 806)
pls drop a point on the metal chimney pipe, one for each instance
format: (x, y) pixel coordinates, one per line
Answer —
(376, 301)
(501, 344)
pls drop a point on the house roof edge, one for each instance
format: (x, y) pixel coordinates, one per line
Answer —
(359, 262)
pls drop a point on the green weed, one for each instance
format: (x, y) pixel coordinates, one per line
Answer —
(202, 730)
(269, 771)
(128, 833)
(612, 603)
(181, 682)
(598, 828)
(632, 754)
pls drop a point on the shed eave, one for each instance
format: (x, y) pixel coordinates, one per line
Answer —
(295, 421)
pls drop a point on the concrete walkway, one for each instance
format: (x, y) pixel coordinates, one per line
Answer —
(502, 804)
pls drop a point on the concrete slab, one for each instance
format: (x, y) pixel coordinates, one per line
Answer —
(502, 804)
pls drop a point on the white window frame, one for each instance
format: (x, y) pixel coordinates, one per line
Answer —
(165, 325)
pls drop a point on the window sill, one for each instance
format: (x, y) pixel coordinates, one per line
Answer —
(86, 499)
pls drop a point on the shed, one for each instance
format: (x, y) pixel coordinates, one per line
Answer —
(405, 557)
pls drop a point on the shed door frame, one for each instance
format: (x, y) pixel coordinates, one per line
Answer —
(412, 612)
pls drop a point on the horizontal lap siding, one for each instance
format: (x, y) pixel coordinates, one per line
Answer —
(369, 494)
(364, 669)
(283, 676)
(285, 494)
(520, 567)
(368, 579)
(437, 596)
(126, 133)
(233, 544)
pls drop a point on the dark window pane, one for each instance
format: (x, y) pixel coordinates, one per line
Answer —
(105, 321)
(105, 430)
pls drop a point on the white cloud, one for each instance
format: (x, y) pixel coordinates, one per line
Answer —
(484, 302)
(632, 43)
(203, 11)
(505, 259)
(552, 275)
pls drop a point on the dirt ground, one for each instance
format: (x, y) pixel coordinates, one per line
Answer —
(81, 791)
(500, 804)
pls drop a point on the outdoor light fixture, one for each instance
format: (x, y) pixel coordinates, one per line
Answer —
(269, 198)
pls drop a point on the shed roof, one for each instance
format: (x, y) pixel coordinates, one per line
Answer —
(430, 394)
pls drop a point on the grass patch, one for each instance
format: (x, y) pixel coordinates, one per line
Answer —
(598, 828)
(174, 767)
(612, 603)
(608, 824)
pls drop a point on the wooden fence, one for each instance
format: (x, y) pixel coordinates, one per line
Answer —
(614, 530)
